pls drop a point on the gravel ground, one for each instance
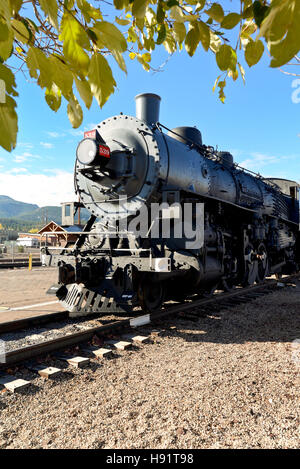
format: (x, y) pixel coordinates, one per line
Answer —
(53, 330)
(229, 380)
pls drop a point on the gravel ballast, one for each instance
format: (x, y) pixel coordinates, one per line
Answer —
(229, 380)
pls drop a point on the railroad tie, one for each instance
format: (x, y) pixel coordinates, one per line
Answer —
(77, 362)
(140, 339)
(13, 384)
(98, 352)
(119, 344)
(44, 372)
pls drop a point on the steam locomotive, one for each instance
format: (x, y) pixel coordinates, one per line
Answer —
(170, 218)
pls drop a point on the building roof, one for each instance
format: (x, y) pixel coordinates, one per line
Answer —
(54, 227)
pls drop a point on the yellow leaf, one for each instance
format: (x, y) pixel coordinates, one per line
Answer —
(110, 36)
(177, 14)
(8, 124)
(122, 22)
(215, 12)
(101, 79)
(75, 113)
(253, 52)
(231, 20)
(179, 32)
(84, 90)
(61, 75)
(21, 33)
(120, 60)
(53, 97)
(89, 11)
(74, 40)
(226, 58)
(139, 8)
(50, 8)
(192, 39)
(37, 61)
(132, 55)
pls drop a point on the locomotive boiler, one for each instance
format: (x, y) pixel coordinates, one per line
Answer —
(170, 218)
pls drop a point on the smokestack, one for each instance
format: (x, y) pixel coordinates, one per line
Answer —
(147, 107)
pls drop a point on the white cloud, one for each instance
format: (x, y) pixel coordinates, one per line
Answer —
(258, 161)
(40, 189)
(28, 146)
(47, 145)
(17, 171)
(55, 134)
(80, 133)
(24, 157)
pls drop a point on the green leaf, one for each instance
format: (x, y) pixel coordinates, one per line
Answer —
(74, 38)
(160, 14)
(6, 41)
(10, 82)
(53, 97)
(75, 113)
(226, 58)
(139, 8)
(260, 12)
(110, 36)
(21, 32)
(162, 33)
(16, 5)
(253, 52)
(230, 21)
(4, 31)
(215, 12)
(101, 79)
(61, 75)
(84, 90)
(8, 124)
(37, 61)
(50, 8)
(5, 9)
(192, 39)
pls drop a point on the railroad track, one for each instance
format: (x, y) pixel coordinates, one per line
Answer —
(5, 264)
(191, 310)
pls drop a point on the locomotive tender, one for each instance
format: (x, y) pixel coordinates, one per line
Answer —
(215, 225)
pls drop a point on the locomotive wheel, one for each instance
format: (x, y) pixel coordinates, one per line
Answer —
(250, 266)
(151, 295)
(262, 263)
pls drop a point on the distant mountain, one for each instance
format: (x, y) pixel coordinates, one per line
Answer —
(12, 208)
(31, 213)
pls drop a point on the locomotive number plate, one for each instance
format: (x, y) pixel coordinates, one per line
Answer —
(104, 151)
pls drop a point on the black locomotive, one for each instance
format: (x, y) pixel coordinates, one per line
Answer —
(170, 217)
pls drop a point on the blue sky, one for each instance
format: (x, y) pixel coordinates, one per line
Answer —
(259, 123)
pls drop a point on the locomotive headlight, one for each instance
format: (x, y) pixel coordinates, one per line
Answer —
(87, 151)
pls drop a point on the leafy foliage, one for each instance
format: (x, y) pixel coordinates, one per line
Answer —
(66, 45)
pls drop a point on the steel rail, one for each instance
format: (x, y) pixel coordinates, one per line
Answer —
(14, 265)
(25, 323)
(29, 352)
